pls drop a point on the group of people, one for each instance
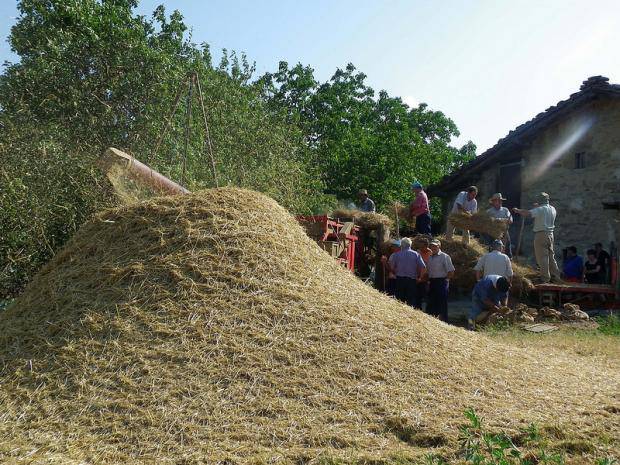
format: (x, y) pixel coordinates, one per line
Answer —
(422, 274)
(593, 271)
(425, 273)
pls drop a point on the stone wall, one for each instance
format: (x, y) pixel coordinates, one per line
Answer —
(548, 164)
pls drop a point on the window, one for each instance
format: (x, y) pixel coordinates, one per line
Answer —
(580, 160)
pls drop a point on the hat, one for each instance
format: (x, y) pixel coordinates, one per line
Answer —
(497, 196)
(416, 185)
(498, 243)
(543, 198)
(396, 242)
(362, 192)
(436, 242)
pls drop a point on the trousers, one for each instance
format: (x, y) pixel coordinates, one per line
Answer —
(423, 224)
(545, 255)
(406, 290)
(437, 304)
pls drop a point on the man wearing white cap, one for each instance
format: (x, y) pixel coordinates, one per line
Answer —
(501, 213)
(440, 270)
(544, 224)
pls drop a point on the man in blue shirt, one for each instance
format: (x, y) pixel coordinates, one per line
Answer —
(573, 265)
(489, 293)
(408, 267)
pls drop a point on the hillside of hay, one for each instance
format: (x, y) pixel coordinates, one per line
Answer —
(208, 328)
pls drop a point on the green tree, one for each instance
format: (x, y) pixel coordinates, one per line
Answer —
(94, 74)
(361, 139)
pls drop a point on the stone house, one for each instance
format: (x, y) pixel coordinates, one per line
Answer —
(571, 151)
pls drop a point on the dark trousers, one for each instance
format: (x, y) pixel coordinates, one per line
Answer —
(420, 294)
(423, 224)
(437, 304)
(406, 290)
(390, 288)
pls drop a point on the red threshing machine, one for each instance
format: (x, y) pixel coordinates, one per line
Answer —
(337, 238)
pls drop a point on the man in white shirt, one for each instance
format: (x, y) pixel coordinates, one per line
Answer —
(465, 202)
(440, 270)
(501, 213)
(544, 225)
(494, 262)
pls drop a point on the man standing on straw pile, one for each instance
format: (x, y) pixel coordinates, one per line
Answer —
(501, 213)
(419, 211)
(489, 293)
(440, 270)
(494, 262)
(365, 204)
(544, 223)
(408, 266)
(465, 202)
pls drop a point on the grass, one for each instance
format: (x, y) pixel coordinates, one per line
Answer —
(602, 343)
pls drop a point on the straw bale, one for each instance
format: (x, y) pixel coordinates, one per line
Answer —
(366, 220)
(550, 313)
(481, 222)
(465, 256)
(573, 312)
(209, 328)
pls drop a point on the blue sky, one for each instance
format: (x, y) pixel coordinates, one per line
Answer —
(489, 65)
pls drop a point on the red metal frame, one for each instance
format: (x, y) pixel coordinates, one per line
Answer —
(577, 289)
(330, 231)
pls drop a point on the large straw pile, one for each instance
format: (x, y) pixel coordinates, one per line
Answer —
(465, 256)
(481, 222)
(368, 220)
(208, 328)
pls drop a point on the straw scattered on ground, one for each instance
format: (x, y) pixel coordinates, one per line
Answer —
(367, 220)
(480, 221)
(208, 328)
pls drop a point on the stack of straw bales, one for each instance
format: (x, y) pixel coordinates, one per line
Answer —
(481, 222)
(465, 256)
(208, 328)
(366, 220)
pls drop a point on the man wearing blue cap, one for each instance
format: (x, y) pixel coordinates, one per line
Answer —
(419, 210)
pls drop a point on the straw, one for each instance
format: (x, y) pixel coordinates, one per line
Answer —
(368, 220)
(481, 222)
(464, 258)
(208, 328)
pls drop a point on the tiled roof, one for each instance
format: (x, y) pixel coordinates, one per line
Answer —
(593, 87)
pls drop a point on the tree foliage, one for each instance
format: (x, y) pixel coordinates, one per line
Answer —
(94, 74)
(364, 140)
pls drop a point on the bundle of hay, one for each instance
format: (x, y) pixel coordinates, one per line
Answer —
(465, 256)
(364, 219)
(209, 327)
(403, 213)
(550, 313)
(481, 222)
(520, 314)
(572, 312)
